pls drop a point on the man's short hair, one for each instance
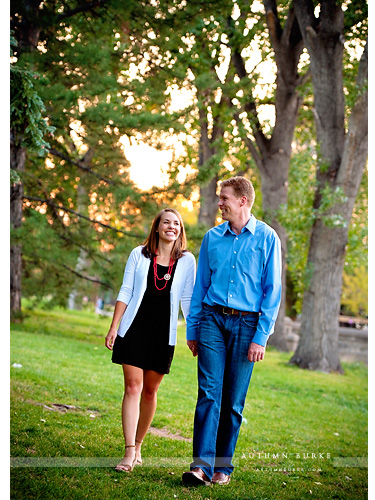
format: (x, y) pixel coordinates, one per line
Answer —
(241, 187)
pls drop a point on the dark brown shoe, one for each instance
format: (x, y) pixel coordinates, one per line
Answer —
(195, 477)
(220, 478)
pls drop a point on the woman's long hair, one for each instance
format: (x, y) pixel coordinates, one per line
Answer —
(152, 241)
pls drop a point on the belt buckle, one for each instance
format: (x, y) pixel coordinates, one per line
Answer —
(228, 313)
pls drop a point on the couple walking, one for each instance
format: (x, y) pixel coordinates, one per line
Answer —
(230, 306)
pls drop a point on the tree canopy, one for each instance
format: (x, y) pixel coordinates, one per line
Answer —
(87, 74)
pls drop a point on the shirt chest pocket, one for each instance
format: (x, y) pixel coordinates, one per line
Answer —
(218, 256)
(250, 264)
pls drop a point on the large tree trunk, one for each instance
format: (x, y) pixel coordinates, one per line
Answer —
(275, 193)
(208, 203)
(17, 163)
(318, 346)
(275, 169)
(342, 162)
(208, 197)
(272, 156)
(29, 35)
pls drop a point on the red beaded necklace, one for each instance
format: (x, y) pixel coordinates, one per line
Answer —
(166, 277)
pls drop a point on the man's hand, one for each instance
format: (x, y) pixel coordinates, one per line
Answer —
(256, 352)
(193, 346)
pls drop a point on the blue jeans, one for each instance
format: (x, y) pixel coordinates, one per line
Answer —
(224, 374)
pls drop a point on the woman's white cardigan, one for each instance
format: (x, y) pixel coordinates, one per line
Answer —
(134, 286)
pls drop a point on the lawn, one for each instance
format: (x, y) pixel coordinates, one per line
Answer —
(304, 434)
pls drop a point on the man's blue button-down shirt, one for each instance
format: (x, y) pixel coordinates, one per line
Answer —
(242, 272)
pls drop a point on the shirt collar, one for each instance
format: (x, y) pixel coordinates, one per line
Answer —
(250, 226)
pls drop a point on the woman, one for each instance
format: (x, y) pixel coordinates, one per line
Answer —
(158, 275)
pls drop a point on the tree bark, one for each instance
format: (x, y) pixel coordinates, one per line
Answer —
(208, 197)
(27, 22)
(272, 156)
(342, 161)
(275, 193)
(17, 163)
(208, 203)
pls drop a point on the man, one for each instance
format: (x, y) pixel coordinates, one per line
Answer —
(234, 307)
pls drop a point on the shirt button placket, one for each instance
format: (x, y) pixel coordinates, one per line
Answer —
(232, 274)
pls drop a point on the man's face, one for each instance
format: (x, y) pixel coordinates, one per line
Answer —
(229, 204)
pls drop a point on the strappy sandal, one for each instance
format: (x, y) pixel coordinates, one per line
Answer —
(125, 467)
(138, 461)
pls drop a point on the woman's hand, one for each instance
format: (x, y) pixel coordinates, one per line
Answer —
(120, 308)
(193, 346)
(110, 339)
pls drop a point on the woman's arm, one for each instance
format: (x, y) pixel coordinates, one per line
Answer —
(124, 296)
(187, 291)
(118, 313)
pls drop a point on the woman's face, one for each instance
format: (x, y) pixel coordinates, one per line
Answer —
(169, 228)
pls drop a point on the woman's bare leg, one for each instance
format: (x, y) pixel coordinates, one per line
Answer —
(151, 383)
(133, 380)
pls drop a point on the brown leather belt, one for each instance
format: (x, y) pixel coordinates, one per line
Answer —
(230, 311)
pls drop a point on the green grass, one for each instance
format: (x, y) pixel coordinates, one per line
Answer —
(289, 413)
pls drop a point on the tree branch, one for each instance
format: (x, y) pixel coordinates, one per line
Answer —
(56, 153)
(273, 22)
(249, 143)
(356, 141)
(304, 78)
(69, 210)
(82, 8)
(89, 252)
(88, 278)
(362, 76)
(305, 14)
(250, 106)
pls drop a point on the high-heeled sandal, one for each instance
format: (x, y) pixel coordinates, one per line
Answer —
(125, 467)
(138, 461)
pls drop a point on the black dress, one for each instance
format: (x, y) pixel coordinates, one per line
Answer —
(146, 343)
